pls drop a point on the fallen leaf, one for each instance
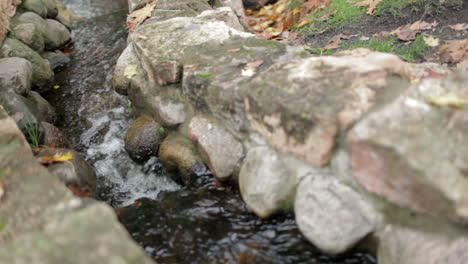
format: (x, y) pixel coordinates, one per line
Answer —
(251, 67)
(431, 41)
(454, 51)
(459, 27)
(54, 158)
(336, 41)
(372, 4)
(2, 189)
(56, 86)
(130, 71)
(451, 99)
(139, 16)
(79, 192)
(408, 32)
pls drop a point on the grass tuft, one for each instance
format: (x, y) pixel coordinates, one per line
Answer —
(34, 133)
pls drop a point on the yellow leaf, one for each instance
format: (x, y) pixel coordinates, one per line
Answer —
(305, 22)
(130, 71)
(63, 158)
(56, 86)
(431, 40)
(282, 7)
(450, 99)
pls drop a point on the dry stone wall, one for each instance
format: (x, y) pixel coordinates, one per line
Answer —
(359, 132)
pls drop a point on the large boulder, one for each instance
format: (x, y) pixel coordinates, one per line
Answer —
(412, 151)
(332, 215)
(57, 35)
(301, 106)
(225, 14)
(15, 74)
(268, 180)
(54, 33)
(180, 155)
(218, 148)
(405, 245)
(162, 59)
(143, 138)
(36, 6)
(42, 73)
(29, 35)
(52, 8)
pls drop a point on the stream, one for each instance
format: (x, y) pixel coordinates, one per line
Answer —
(203, 223)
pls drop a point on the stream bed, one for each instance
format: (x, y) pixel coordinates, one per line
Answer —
(203, 223)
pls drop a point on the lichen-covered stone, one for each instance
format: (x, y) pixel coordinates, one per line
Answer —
(224, 14)
(29, 35)
(160, 58)
(218, 148)
(301, 106)
(15, 74)
(42, 73)
(36, 6)
(412, 152)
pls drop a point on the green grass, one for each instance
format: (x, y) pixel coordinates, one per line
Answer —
(347, 14)
(33, 133)
(205, 75)
(412, 53)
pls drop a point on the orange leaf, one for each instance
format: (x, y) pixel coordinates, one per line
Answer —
(371, 3)
(79, 192)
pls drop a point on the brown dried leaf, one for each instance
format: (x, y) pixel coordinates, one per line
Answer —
(327, 16)
(372, 4)
(79, 192)
(251, 67)
(454, 51)
(336, 41)
(459, 27)
(408, 32)
(2, 189)
(139, 16)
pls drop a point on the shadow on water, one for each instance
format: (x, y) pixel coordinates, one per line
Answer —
(204, 223)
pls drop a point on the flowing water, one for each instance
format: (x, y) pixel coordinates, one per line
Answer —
(203, 223)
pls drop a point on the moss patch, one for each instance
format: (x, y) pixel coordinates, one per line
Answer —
(412, 53)
(346, 14)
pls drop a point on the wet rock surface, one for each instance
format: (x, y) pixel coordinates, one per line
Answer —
(143, 138)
